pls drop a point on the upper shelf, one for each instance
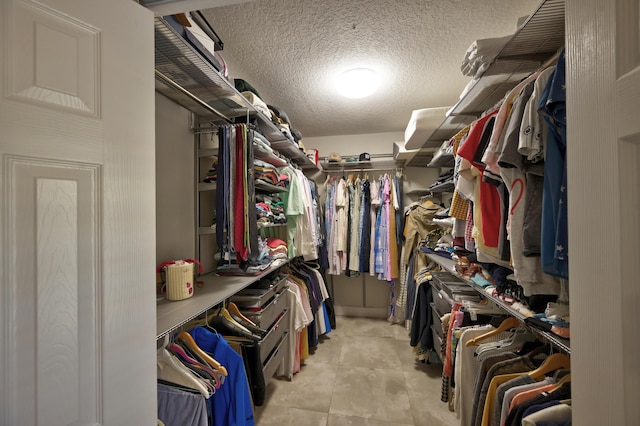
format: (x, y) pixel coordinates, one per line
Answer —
(536, 41)
(186, 77)
(379, 162)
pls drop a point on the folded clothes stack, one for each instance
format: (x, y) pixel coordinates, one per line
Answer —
(481, 54)
(277, 248)
(270, 210)
(212, 174)
(268, 173)
(228, 264)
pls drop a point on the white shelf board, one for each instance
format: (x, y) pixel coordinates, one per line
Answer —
(206, 186)
(170, 315)
(206, 230)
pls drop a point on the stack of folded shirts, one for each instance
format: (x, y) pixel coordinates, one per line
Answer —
(212, 174)
(277, 208)
(265, 217)
(268, 173)
(277, 248)
(265, 172)
(283, 180)
(262, 150)
(228, 264)
(270, 210)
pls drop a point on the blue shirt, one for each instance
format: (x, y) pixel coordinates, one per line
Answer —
(232, 404)
(554, 238)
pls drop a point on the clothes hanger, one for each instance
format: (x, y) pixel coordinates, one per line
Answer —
(223, 312)
(192, 363)
(171, 370)
(242, 320)
(505, 325)
(226, 326)
(188, 340)
(559, 383)
(233, 309)
(552, 363)
(202, 368)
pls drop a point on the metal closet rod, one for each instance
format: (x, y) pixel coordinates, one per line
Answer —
(166, 80)
(342, 170)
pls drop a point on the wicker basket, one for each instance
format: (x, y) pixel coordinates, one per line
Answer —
(179, 278)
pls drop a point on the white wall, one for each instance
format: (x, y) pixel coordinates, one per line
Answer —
(175, 180)
(345, 145)
(415, 178)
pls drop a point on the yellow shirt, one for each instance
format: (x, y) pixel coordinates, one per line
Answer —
(487, 413)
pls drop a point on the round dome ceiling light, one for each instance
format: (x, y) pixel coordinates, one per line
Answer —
(357, 83)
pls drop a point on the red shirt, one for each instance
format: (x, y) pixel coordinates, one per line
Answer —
(490, 207)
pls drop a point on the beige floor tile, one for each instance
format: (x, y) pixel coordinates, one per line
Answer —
(337, 420)
(424, 389)
(274, 415)
(400, 332)
(363, 373)
(328, 351)
(371, 393)
(357, 326)
(311, 389)
(409, 361)
(370, 352)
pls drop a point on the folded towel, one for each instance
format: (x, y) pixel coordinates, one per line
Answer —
(257, 103)
(481, 54)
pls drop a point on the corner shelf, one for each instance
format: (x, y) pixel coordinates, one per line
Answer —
(536, 41)
(449, 265)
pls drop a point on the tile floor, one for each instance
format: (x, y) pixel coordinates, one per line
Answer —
(363, 373)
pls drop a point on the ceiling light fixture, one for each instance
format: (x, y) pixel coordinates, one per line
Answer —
(357, 83)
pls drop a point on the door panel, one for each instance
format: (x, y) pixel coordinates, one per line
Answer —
(603, 148)
(62, 67)
(77, 213)
(53, 301)
(627, 50)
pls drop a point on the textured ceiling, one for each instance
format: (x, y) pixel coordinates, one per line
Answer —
(290, 50)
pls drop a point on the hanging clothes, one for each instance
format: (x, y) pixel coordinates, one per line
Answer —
(236, 232)
(232, 402)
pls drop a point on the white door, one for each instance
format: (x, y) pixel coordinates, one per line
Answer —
(77, 213)
(603, 108)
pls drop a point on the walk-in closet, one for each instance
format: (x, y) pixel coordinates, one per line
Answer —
(292, 212)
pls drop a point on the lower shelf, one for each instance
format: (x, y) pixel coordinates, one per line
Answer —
(557, 341)
(170, 315)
